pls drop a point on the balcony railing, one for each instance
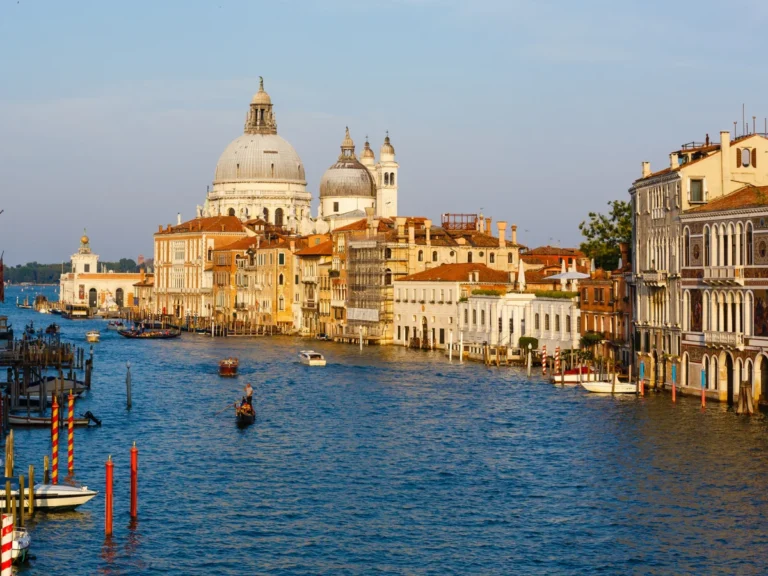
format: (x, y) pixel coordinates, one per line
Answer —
(724, 339)
(309, 304)
(655, 277)
(338, 303)
(724, 275)
(311, 278)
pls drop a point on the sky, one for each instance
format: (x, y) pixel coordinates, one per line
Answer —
(114, 114)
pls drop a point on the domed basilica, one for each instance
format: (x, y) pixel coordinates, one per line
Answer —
(260, 175)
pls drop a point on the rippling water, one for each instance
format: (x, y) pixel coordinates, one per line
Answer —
(395, 462)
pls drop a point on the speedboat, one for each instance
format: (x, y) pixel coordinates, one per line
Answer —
(610, 387)
(573, 377)
(54, 497)
(311, 358)
(228, 367)
(20, 547)
(92, 336)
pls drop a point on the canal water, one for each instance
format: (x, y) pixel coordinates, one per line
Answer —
(390, 461)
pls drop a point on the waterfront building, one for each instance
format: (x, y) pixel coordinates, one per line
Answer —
(555, 321)
(725, 295)
(144, 293)
(184, 264)
(550, 259)
(86, 284)
(698, 173)
(314, 263)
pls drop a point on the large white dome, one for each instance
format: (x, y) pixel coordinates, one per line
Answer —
(259, 157)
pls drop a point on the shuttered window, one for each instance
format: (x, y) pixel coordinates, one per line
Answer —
(697, 190)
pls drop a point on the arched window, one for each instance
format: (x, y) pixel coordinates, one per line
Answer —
(706, 246)
(266, 214)
(387, 253)
(387, 277)
(716, 246)
(280, 280)
(279, 217)
(687, 247)
(231, 212)
(391, 178)
(386, 178)
(119, 297)
(421, 255)
(281, 303)
(434, 255)
(492, 258)
(510, 258)
(272, 170)
(748, 244)
(469, 257)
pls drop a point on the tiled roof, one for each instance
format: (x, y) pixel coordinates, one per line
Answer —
(747, 197)
(384, 224)
(213, 224)
(322, 249)
(553, 251)
(241, 244)
(459, 273)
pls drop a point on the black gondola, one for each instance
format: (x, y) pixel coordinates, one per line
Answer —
(245, 415)
(150, 334)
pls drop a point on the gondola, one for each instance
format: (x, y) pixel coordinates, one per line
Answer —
(228, 367)
(150, 334)
(245, 415)
(52, 329)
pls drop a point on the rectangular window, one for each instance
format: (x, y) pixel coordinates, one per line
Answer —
(466, 316)
(86, 268)
(433, 295)
(482, 317)
(442, 295)
(398, 332)
(697, 190)
(585, 295)
(557, 322)
(442, 335)
(281, 259)
(567, 323)
(501, 325)
(335, 206)
(474, 317)
(536, 321)
(296, 279)
(398, 298)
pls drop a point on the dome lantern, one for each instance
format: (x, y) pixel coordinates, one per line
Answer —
(261, 118)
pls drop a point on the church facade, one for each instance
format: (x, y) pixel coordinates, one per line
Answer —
(260, 176)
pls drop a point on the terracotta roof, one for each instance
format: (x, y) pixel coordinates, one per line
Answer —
(213, 224)
(747, 197)
(459, 273)
(322, 249)
(241, 244)
(384, 224)
(553, 251)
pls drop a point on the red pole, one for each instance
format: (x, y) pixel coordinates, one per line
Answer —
(71, 434)
(134, 481)
(108, 500)
(54, 440)
(642, 385)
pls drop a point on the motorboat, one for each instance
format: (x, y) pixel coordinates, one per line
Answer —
(22, 420)
(228, 367)
(610, 386)
(54, 497)
(574, 376)
(52, 384)
(311, 358)
(92, 336)
(20, 546)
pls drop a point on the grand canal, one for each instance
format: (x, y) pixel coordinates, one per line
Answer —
(395, 462)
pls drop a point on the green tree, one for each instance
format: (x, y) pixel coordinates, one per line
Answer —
(604, 232)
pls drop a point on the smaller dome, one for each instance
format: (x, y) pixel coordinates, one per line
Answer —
(347, 178)
(261, 97)
(367, 152)
(387, 148)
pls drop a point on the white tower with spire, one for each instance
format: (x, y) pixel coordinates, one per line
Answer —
(387, 180)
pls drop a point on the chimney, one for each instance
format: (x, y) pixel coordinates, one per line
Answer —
(411, 234)
(400, 222)
(178, 218)
(624, 248)
(725, 161)
(514, 234)
(293, 246)
(646, 169)
(673, 161)
(501, 226)
(487, 227)
(168, 227)
(143, 275)
(428, 228)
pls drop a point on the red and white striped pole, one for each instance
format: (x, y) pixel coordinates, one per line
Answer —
(557, 360)
(544, 360)
(55, 442)
(6, 545)
(71, 434)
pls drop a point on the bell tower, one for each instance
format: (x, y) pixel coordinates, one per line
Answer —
(387, 181)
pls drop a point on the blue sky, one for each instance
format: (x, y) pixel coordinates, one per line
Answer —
(113, 115)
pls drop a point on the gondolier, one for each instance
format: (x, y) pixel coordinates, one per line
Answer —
(249, 393)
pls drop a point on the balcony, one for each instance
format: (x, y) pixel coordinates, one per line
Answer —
(724, 275)
(724, 339)
(311, 304)
(656, 278)
(309, 278)
(338, 303)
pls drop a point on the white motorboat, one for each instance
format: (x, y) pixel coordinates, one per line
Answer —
(572, 377)
(311, 358)
(92, 336)
(610, 387)
(54, 497)
(20, 546)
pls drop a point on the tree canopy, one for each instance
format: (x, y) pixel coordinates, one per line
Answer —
(604, 232)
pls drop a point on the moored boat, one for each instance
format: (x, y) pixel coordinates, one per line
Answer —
(573, 376)
(52, 329)
(20, 546)
(92, 336)
(54, 497)
(311, 358)
(116, 325)
(40, 421)
(228, 367)
(152, 334)
(610, 387)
